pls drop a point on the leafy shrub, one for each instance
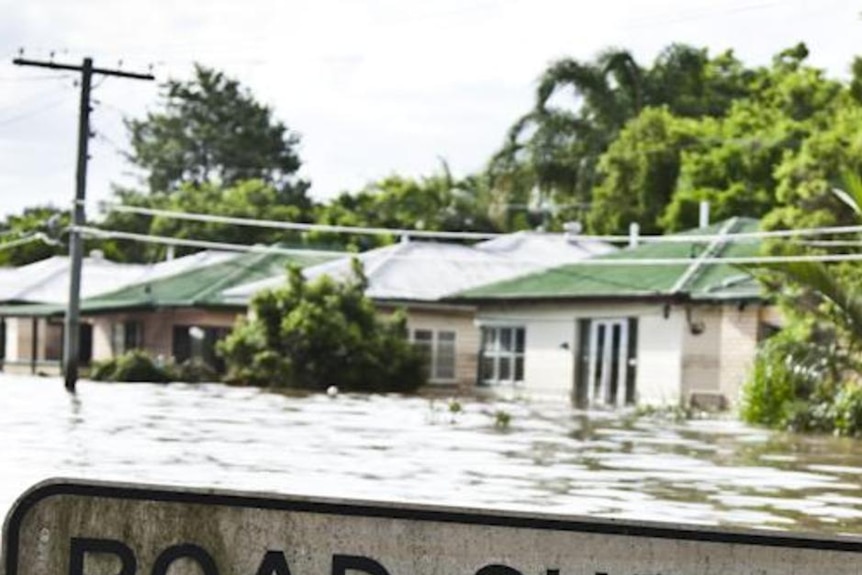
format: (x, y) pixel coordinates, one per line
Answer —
(192, 371)
(132, 366)
(848, 410)
(784, 371)
(319, 334)
(802, 381)
(138, 366)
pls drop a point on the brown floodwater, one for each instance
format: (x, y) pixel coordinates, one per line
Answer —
(550, 457)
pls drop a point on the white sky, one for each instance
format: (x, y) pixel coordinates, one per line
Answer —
(373, 86)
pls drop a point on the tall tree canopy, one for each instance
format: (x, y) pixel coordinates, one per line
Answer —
(251, 199)
(439, 202)
(556, 147)
(211, 130)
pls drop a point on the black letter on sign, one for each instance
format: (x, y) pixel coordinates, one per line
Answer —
(82, 546)
(341, 564)
(171, 554)
(273, 562)
(497, 570)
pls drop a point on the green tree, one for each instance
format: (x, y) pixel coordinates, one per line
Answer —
(211, 130)
(808, 378)
(251, 199)
(435, 203)
(45, 226)
(323, 333)
(640, 172)
(556, 147)
(774, 152)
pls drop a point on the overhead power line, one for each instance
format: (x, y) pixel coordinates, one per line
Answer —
(588, 261)
(203, 244)
(360, 230)
(297, 226)
(38, 236)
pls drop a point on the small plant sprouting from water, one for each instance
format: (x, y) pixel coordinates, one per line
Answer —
(502, 419)
(675, 413)
(455, 408)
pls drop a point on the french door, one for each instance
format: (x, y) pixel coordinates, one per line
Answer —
(608, 379)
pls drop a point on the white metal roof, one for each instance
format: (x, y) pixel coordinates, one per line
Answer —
(47, 281)
(545, 248)
(429, 271)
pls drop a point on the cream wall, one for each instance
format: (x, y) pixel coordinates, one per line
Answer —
(551, 345)
(158, 327)
(672, 362)
(718, 359)
(461, 320)
(739, 337)
(702, 352)
(659, 356)
(19, 345)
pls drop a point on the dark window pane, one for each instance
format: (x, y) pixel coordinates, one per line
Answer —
(520, 336)
(519, 368)
(488, 369)
(423, 335)
(505, 369)
(506, 339)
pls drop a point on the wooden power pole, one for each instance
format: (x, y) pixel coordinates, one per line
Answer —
(71, 331)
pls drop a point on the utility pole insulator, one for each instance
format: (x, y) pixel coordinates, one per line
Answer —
(71, 328)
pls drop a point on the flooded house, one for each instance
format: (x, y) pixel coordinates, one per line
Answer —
(419, 276)
(171, 309)
(31, 340)
(659, 323)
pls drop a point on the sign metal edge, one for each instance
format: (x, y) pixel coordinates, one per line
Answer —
(402, 511)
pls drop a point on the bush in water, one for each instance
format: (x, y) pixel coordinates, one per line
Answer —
(137, 366)
(802, 381)
(133, 365)
(315, 335)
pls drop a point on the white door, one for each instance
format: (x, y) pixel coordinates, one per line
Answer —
(608, 358)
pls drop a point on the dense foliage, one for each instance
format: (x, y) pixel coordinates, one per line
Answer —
(435, 203)
(212, 148)
(319, 334)
(138, 366)
(33, 235)
(211, 130)
(252, 199)
(646, 144)
(808, 377)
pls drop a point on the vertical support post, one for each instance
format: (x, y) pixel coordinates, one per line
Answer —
(71, 333)
(634, 234)
(34, 344)
(703, 214)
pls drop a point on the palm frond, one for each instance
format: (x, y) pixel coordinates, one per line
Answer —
(817, 277)
(852, 192)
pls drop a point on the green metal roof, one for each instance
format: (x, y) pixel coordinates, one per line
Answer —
(599, 277)
(200, 287)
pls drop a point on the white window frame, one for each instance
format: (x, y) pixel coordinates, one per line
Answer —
(497, 354)
(435, 356)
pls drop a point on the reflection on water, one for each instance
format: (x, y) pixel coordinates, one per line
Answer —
(550, 458)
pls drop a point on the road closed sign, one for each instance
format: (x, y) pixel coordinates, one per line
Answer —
(65, 527)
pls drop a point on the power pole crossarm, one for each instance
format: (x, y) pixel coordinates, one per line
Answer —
(79, 68)
(71, 331)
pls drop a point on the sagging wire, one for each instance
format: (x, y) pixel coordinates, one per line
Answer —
(203, 244)
(594, 261)
(38, 236)
(359, 230)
